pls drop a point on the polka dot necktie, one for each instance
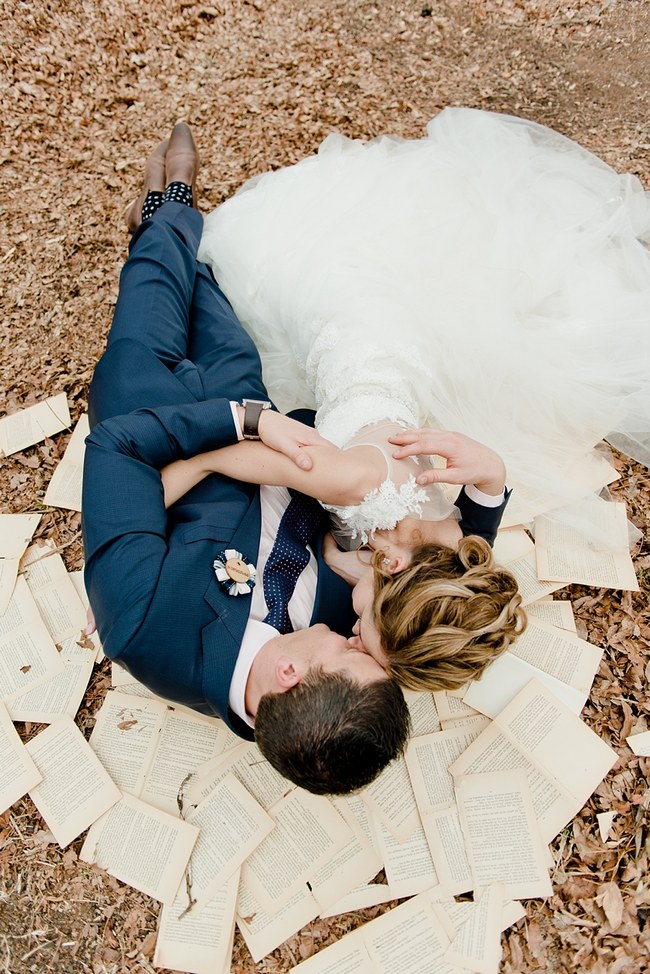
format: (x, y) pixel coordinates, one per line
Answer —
(289, 557)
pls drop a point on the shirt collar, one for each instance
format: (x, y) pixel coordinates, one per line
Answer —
(256, 635)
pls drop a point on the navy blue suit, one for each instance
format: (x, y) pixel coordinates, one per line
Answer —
(176, 356)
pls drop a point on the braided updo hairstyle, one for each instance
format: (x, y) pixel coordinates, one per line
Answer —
(447, 616)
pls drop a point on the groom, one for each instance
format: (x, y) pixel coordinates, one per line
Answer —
(194, 601)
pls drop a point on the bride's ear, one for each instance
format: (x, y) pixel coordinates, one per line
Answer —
(397, 563)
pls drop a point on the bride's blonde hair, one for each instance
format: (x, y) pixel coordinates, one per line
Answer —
(444, 618)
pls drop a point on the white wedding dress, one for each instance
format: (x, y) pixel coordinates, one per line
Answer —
(491, 278)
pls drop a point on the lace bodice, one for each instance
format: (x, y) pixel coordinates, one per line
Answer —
(397, 497)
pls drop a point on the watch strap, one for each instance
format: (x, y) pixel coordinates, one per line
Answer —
(253, 409)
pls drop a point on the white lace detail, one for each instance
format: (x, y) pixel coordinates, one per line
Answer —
(382, 508)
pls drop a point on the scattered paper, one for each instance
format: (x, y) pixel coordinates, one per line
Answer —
(503, 842)
(640, 743)
(586, 544)
(28, 656)
(75, 789)
(33, 424)
(200, 943)
(64, 489)
(18, 773)
(16, 531)
(141, 846)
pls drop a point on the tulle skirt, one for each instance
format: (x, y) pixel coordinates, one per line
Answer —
(491, 278)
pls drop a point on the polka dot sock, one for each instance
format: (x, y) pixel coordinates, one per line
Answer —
(175, 193)
(153, 200)
(178, 193)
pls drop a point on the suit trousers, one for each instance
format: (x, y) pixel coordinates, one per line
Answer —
(170, 303)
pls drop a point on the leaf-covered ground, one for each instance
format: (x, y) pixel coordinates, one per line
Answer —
(87, 89)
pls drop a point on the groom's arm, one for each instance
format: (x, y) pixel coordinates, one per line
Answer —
(479, 515)
(125, 524)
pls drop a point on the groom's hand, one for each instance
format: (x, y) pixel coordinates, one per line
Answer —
(289, 437)
(468, 462)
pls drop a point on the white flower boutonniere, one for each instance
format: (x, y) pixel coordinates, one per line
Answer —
(234, 572)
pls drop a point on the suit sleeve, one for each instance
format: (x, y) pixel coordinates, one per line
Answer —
(478, 520)
(125, 525)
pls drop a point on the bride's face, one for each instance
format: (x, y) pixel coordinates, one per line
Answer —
(412, 532)
(366, 638)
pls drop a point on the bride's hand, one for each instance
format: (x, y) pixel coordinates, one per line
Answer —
(468, 462)
(350, 565)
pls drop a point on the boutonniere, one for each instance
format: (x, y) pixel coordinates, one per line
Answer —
(234, 572)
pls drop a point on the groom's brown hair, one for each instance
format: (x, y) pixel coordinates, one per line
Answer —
(330, 734)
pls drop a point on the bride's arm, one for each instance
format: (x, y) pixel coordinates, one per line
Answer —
(337, 476)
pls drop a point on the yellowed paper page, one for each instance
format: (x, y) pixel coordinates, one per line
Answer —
(559, 653)
(408, 938)
(77, 579)
(64, 489)
(125, 736)
(512, 544)
(18, 773)
(308, 832)
(141, 846)
(451, 707)
(506, 676)
(245, 761)
(231, 825)
(477, 945)
(447, 844)
(349, 955)
(356, 863)
(122, 680)
(477, 723)
(640, 743)
(28, 656)
(16, 531)
(502, 839)
(55, 595)
(363, 817)
(75, 789)
(390, 797)
(61, 694)
(33, 424)
(409, 866)
(556, 612)
(200, 943)
(263, 932)
(372, 894)
(428, 760)
(530, 587)
(595, 552)
(564, 760)
(423, 711)
(187, 740)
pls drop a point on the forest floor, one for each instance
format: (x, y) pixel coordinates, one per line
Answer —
(87, 88)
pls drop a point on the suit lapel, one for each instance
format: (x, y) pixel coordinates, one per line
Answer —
(222, 638)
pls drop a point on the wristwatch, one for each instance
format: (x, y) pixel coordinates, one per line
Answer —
(253, 409)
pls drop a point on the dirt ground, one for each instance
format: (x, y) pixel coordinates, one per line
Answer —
(87, 89)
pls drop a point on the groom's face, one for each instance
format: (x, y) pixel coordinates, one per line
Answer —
(319, 647)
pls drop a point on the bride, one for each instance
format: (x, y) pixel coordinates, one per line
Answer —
(490, 278)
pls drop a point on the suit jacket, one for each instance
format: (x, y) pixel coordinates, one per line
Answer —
(159, 608)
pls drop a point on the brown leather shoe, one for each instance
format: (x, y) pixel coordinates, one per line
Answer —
(182, 159)
(154, 179)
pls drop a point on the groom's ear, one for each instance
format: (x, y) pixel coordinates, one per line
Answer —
(286, 673)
